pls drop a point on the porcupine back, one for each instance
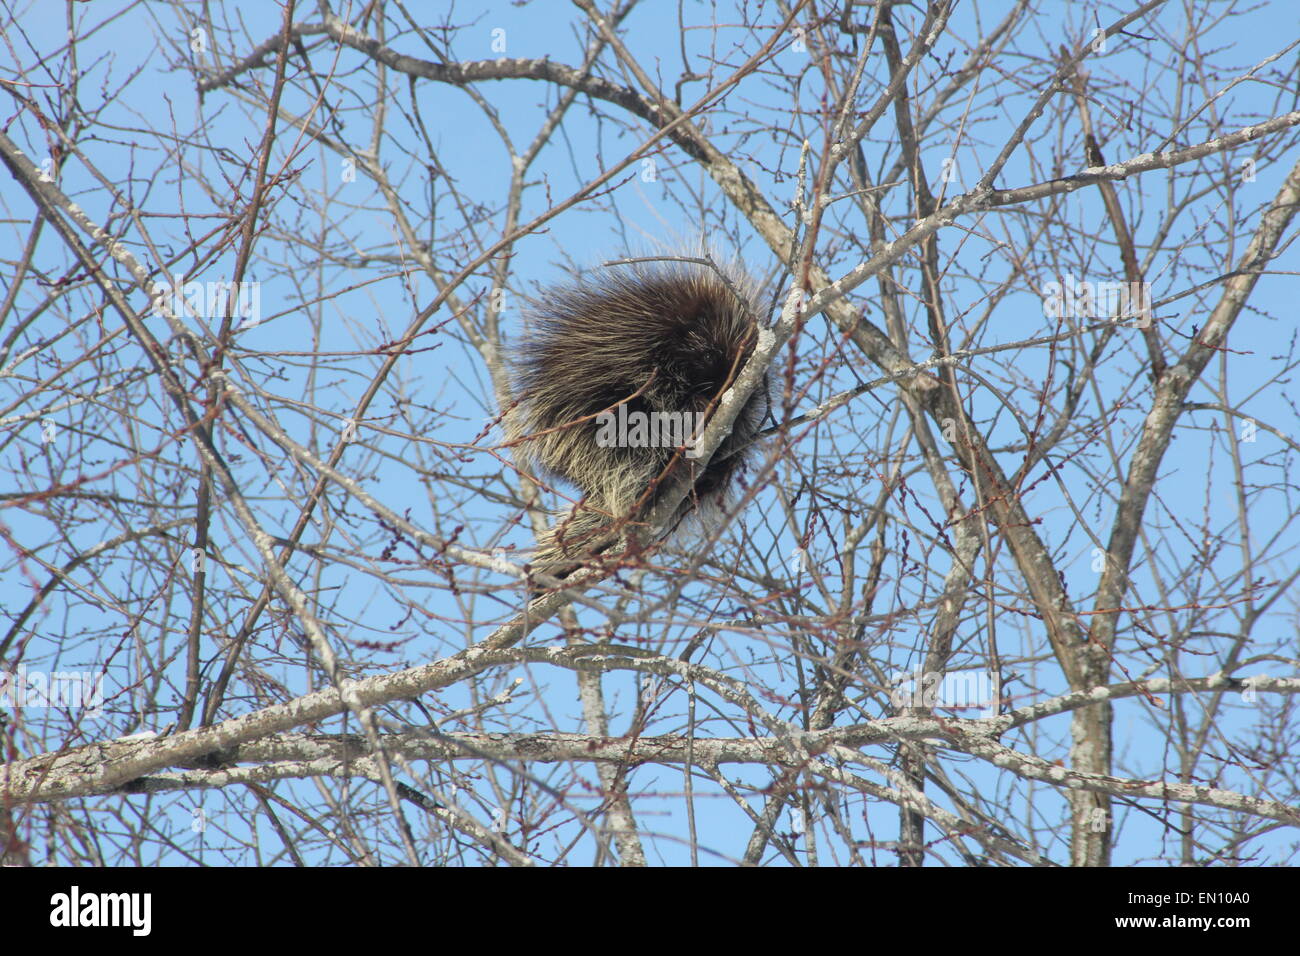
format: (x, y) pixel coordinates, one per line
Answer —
(664, 338)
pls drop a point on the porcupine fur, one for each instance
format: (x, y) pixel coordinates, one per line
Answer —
(668, 337)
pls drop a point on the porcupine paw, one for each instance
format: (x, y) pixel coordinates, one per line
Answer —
(566, 546)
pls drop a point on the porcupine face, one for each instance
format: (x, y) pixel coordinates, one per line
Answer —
(665, 339)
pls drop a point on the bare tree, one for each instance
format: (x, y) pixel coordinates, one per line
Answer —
(1011, 582)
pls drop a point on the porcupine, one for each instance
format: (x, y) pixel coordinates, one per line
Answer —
(666, 338)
